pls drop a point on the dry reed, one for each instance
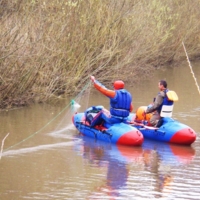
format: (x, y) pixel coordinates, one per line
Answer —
(50, 48)
(2, 144)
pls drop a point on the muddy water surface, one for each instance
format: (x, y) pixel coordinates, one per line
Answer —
(44, 157)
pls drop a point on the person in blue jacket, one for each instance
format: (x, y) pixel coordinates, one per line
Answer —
(120, 102)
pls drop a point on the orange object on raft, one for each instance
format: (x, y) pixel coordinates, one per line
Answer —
(140, 116)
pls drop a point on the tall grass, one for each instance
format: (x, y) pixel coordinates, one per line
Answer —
(50, 48)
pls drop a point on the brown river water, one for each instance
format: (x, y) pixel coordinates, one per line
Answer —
(44, 157)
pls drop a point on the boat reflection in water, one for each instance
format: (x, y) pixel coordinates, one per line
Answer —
(160, 158)
(124, 161)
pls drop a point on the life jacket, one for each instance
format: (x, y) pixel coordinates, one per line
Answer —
(166, 107)
(120, 104)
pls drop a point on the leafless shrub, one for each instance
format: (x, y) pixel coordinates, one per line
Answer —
(50, 48)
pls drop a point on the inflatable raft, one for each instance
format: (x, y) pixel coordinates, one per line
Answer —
(170, 130)
(119, 133)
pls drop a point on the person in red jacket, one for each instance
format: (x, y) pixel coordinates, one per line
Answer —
(120, 102)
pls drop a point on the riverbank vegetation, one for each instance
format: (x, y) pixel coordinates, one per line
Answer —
(50, 48)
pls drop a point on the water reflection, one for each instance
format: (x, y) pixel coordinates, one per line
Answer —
(156, 158)
(114, 158)
(161, 158)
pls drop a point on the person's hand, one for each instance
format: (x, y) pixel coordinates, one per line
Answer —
(92, 78)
